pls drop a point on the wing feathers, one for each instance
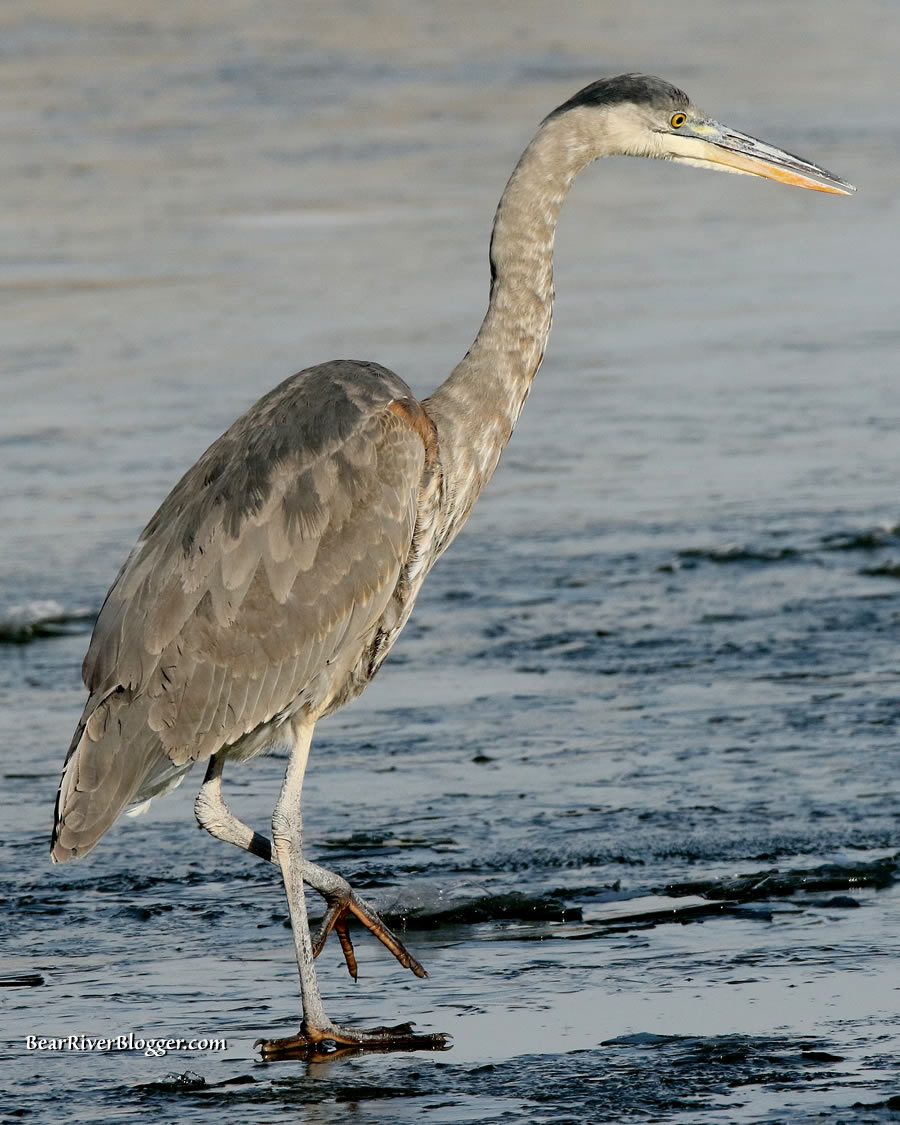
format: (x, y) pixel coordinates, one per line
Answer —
(253, 591)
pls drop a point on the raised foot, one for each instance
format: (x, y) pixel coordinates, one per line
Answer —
(316, 1044)
(346, 904)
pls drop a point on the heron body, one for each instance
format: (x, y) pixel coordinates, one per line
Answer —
(273, 579)
(270, 585)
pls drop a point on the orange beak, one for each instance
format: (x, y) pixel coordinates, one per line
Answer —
(708, 144)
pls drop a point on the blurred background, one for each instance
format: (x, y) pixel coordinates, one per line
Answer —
(661, 656)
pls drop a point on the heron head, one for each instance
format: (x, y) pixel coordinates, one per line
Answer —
(645, 116)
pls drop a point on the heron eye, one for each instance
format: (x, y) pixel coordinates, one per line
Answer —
(677, 120)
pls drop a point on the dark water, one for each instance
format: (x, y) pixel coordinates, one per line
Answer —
(628, 781)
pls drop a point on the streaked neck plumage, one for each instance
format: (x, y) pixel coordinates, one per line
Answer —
(477, 406)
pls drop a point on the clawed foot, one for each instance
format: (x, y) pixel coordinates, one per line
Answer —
(318, 1044)
(343, 906)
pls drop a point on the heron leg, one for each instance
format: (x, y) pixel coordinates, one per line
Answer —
(217, 818)
(341, 900)
(316, 1028)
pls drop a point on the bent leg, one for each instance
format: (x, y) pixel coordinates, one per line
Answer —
(216, 817)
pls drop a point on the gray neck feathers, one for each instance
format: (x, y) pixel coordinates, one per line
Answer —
(476, 408)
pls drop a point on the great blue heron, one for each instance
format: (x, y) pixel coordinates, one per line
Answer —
(275, 577)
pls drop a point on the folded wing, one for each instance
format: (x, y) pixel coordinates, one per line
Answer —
(252, 593)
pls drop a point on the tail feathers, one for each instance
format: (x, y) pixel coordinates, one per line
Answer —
(111, 756)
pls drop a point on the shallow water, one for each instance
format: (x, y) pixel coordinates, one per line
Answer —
(662, 655)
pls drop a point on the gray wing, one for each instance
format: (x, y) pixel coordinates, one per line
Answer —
(259, 581)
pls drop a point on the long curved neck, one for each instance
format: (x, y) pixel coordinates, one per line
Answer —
(477, 406)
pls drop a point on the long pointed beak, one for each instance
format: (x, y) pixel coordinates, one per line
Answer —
(707, 143)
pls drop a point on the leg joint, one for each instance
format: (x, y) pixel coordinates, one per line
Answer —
(286, 827)
(203, 808)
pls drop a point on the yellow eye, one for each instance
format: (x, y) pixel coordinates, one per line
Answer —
(677, 120)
